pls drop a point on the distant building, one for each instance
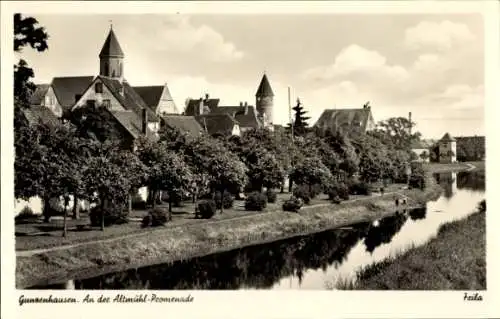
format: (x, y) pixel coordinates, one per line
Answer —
(221, 123)
(135, 109)
(346, 120)
(422, 150)
(244, 115)
(447, 149)
(183, 123)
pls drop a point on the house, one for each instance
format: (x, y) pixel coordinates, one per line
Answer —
(221, 123)
(200, 106)
(183, 123)
(422, 150)
(346, 120)
(447, 149)
(158, 99)
(246, 115)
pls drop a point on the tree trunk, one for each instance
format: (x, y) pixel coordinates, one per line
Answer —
(153, 196)
(76, 208)
(282, 188)
(46, 210)
(130, 203)
(65, 223)
(170, 198)
(290, 185)
(102, 214)
(222, 200)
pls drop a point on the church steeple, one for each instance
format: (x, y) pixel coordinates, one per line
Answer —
(264, 101)
(111, 57)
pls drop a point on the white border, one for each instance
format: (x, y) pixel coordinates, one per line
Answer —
(289, 304)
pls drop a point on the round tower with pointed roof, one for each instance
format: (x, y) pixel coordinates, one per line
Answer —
(264, 102)
(111, 57)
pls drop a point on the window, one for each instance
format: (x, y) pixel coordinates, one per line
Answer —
(91, 103)
(106, 69)
(98, 88)
(106, 103)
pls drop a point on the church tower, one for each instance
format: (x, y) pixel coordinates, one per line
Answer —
(111, 57)
(264, 102)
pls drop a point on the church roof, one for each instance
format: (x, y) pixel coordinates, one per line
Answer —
(447, 138)
(66, 88)
(264, 88)
(111, 47)
(39, 94)
(130, 99)
(183, 123)
(217, 123)
(344, 119)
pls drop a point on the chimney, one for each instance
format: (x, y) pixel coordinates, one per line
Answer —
(144, 121)
(206, 96)
(241, 103)
(246, 108)
(200, 110)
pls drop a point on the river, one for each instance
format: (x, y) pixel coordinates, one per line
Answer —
(319, 261)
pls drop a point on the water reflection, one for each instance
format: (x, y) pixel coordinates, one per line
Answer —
(306, 262)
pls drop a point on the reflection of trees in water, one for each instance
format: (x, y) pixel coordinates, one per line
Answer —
(383, 233)
(447, 181)
(474, 181)
(256, 267)
(418, 213)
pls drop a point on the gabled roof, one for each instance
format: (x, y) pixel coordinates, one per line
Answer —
(130, 100)
(111, 47)
(447, 138)
(150, 94)
(230, 110)
(248, 119)
(66, 88)
(344, 119)
(40, 114)
(216, 123)
(183, 123)
(39, 94)
(193, 105)
(264, 88)
(132, 123)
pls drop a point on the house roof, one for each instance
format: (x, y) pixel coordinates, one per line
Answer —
(216, 123)
(264, 88)
(40, 114)
(249, 119)
(39, 94)
(447, 138)
(151, 95)
(66, 88)
(111, 47)
(132, 123)
(130, 99)
(193, 104)
(187, 124)
(344, 119)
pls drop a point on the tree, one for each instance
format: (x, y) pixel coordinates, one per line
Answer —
(311, 172)
(395, 132)
(26, 32)
(264, 170)
(300, 125)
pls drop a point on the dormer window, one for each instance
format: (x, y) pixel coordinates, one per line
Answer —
(98, 88)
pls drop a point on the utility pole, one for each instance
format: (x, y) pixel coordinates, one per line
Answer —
(290, 113)
(409, 119)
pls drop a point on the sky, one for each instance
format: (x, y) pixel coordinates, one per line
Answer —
(429, 64)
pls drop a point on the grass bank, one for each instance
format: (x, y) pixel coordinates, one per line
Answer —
(454, 260)
(455, 167)
(168, 244)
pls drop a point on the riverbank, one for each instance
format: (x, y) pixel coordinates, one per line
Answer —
(454, 260)
(165, 245)
(455, 167)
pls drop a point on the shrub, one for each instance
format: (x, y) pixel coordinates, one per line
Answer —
(138, 203)
(226, 201)
(338, 190)
(156, 217)
(112, 216)
(25, 213)
(292, 205)
(360, 188)
(205, 209)
(256, 201)
(417, 178)
(271, 196)
(315, 190)
(302, 192)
